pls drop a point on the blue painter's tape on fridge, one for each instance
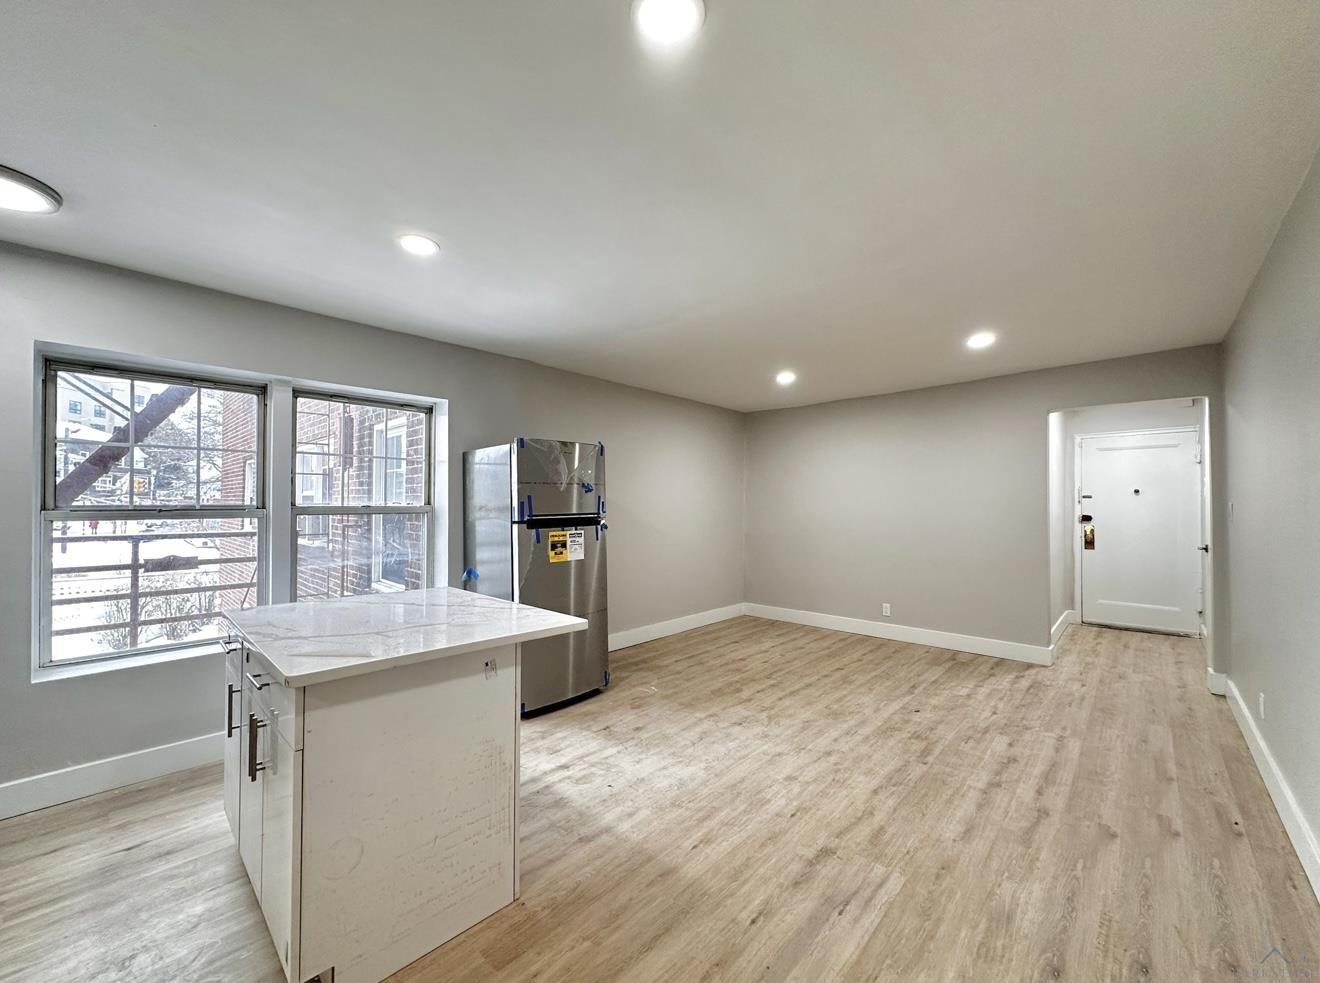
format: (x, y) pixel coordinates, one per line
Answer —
(600, 448)
(470, 574)
(522, 442)
(587, 488)
(530, 511)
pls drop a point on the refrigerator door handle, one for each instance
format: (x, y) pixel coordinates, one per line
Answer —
(561, 521)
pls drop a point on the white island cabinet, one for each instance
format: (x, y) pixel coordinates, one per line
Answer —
(371, 771)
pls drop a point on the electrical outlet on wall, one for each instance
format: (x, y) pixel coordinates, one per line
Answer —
(1261, 702)
(884, 610)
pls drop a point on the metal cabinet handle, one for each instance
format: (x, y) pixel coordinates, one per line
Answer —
(230, 690)
(252, 678)
(254, 725)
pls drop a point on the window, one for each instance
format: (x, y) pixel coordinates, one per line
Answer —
(362, 502)
(152, 523)
(153, 519)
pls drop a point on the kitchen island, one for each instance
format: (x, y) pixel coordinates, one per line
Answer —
(371, 771)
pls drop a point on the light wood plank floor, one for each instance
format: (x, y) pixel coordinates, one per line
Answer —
(761, 801)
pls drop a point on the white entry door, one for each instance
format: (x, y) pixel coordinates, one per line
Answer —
(1142, 568)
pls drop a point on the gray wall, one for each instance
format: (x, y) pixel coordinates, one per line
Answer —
(934, 500)
(1272, 389)
(675, 548)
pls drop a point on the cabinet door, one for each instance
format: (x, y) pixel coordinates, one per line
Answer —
(233, 735)
(408, 810)
(283, 785)
(252, 784)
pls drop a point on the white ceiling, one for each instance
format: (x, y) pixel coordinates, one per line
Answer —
(844, 189)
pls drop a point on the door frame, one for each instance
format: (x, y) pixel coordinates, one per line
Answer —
(1203, 462)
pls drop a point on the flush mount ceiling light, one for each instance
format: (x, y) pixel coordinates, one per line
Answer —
(786, 378)
(982, 339)
(668, 22)
(418, 245)
(20, 192)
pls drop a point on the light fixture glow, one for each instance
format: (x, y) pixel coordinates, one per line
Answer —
(786, 378)
(418, 245)
(20, 192)
(668, 22)
(982, 339)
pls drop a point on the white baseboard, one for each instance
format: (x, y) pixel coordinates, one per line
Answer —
(1294, 821)
(67, 784)
(1068, 617)
(649, 633)
(1216, 682)
(1039, 655)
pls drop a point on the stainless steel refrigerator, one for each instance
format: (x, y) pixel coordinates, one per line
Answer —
(534, 532)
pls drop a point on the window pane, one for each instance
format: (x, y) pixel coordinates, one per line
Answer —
(320, 423)
(101, 483)
(316, 479)
(229, 420)
(164, 476)
(90, 406)
(229, 477)
(343, 554)
(120, 586)
(169, 417)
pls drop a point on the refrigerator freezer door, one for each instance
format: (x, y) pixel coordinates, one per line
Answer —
(557, 477)
(555, 669)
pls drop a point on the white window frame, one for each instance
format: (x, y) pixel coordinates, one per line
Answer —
(50, 517)
(426, 509)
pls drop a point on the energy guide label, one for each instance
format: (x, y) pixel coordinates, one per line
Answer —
(566, 545)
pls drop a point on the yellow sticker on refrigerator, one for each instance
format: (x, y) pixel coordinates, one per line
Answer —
(566, 545)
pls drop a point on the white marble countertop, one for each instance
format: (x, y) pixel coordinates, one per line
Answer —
(316, 641)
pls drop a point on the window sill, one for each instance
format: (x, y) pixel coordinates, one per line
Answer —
(76, 670)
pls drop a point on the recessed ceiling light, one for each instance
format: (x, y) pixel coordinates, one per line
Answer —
(982, 339)
(419, 245)
(668, 22)
(786, 377)
(22, 193)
